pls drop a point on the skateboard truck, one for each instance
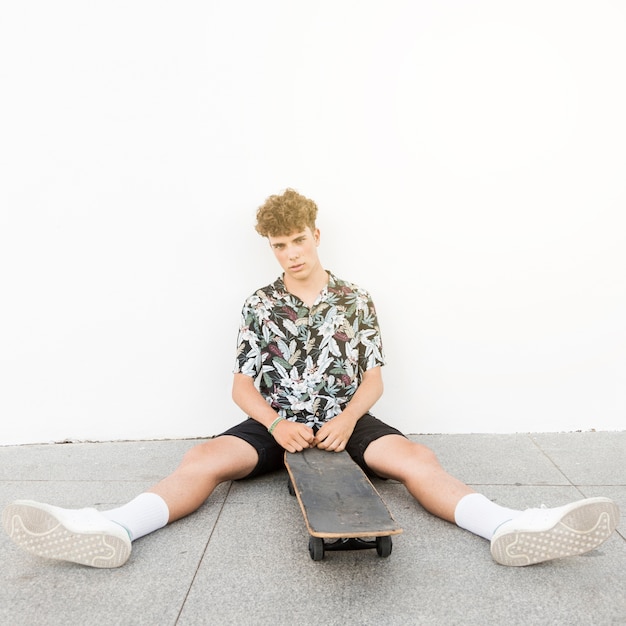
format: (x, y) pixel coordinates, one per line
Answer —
(318, 547)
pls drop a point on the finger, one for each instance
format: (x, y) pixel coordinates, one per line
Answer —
(332, 443)
(339, 445)
(323, 434)
(304, 440)
(327, 444)
(321, 441)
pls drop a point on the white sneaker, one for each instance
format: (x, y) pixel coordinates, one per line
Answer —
(539, 535)
(82, 536)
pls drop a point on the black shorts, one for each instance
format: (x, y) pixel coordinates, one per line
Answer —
(271, 455)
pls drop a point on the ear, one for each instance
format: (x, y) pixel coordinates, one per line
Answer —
(316, 236)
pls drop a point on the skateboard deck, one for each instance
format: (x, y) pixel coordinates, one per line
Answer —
(339, 503)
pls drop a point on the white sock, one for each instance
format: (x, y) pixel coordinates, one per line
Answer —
(480, 515)
(142, 515)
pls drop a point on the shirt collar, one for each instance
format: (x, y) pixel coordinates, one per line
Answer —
(283, 294)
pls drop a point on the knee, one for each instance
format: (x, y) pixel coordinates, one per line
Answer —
(220, 459)
(402, 459)
(196, 457)
(421, 463)
(425, 455)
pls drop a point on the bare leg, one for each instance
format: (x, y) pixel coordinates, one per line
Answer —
(418, 469)
(202, 469)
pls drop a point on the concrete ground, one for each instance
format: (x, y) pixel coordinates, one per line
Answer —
(243, 559)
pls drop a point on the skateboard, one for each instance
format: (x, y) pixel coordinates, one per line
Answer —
(339, 503)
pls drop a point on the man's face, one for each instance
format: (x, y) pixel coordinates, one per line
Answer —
(297, 253)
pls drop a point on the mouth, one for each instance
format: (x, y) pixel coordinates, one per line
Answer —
(296, 268)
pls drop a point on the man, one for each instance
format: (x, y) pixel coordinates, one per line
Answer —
(308, 371)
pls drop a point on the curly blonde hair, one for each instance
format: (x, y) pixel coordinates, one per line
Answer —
(285, 214)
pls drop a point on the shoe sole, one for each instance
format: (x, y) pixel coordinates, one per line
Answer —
(580, 530)
(39, 532)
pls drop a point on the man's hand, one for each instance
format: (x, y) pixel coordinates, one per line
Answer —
(293, 436)
(334, 434)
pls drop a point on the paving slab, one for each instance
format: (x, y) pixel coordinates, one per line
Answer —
(484, 459)
(589, 458)
(114, 461)
(242, 558)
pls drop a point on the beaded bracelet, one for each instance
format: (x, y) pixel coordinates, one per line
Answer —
(273, 425)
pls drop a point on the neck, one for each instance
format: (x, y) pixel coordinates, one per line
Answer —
(308, 289)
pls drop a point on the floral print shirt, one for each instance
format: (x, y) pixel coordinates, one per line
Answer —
(308, 362)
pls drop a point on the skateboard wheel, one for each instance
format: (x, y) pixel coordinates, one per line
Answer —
(292, 491)
(384, 546)
(316, 548)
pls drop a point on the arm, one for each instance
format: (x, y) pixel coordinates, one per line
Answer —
(334, 434)
(292, 436)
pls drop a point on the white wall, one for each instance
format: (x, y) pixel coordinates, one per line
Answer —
(468, 159)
